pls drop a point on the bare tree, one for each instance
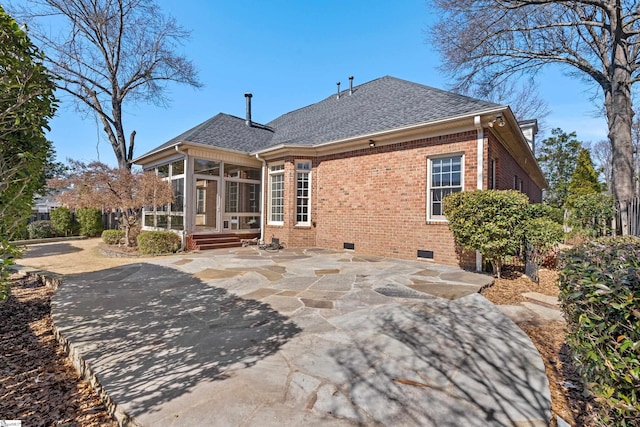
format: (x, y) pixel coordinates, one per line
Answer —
(106, 52)
(602, 155)
(486, 43)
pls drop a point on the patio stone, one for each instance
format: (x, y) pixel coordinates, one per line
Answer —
(260, 293)
(211, 273)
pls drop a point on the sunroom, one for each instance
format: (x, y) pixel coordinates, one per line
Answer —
(216, 192)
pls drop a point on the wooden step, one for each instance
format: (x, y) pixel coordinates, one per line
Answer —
(219, 246)
(216, 241)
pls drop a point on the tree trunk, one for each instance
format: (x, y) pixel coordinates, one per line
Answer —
(619, 110)
(121, 153)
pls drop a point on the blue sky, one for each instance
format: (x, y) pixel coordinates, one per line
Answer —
(290, 54)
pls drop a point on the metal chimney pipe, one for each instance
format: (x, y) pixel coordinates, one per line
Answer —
(248, 116)
(350, 85)
(338, 97)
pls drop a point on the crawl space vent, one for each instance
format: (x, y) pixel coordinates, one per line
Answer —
(425, 254)
(349, 245)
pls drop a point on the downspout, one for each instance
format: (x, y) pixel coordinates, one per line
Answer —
(480, 172)
(262, 197)
(187, 194)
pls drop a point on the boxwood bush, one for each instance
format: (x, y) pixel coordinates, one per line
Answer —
(61, 220)
(40, 230)
(600, 296)
(90, 221)
(158, 242)
(113, 237)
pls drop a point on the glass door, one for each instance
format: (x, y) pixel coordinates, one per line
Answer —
(207, 205)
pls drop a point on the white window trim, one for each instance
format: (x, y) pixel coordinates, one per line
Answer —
(310, 176)
(168, 213)
(441, 218)
(270, 199)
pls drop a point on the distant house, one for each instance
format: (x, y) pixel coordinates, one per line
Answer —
(43, 205)
(364, 169)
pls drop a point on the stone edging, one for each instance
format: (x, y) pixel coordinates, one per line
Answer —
(82, 367)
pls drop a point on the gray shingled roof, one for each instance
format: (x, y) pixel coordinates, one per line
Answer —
(382, 104)
(225, 131)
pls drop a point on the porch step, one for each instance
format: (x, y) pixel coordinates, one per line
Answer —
(207, 246)
(217, 241)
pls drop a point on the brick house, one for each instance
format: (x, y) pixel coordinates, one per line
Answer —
(364, 169)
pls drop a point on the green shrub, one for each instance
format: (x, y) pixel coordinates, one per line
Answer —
(8, 253)
(113, 237)
(543, 234)
(61, 221)
(488, 221)
(592, 213)
(158, 242)
(542, 210)
(600, 296)
(90, 221)
(40, 230)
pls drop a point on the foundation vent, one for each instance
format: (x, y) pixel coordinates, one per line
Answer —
(425, 254)
(349, 246)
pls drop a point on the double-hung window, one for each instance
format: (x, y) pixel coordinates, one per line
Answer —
(303, 195)
(276, 194)
(445, 177)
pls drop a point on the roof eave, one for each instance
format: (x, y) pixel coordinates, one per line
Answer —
(153, 155)
(380, 136)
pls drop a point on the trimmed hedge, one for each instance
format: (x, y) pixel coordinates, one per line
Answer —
(61, 220)
(544, 235)
(113, 237)
(600, 296)
(488, 221)
(90, 221)
(542, 210)
(158, 242)
(40, 230)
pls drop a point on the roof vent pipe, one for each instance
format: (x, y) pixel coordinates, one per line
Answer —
(350, 85)
(248, 116)
(338, 96)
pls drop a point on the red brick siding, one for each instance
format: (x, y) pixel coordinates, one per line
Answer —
(507, 168)
(291, 235)
(376, 198)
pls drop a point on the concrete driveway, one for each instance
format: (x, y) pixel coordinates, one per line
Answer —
(301, 337)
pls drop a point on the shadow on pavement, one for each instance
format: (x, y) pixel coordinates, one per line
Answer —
(151, 333)
(448, 363)
(50, 249)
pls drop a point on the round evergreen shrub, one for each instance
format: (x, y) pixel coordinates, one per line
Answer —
(543, 210)
(90, 221)
(113, 237)
(40, 230)
(158, 242)
(61, 220)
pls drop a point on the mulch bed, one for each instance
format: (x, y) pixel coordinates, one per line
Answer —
(38, 384)
(568, 398)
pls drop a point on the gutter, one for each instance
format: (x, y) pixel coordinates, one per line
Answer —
(477, 121)
(262, 196)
